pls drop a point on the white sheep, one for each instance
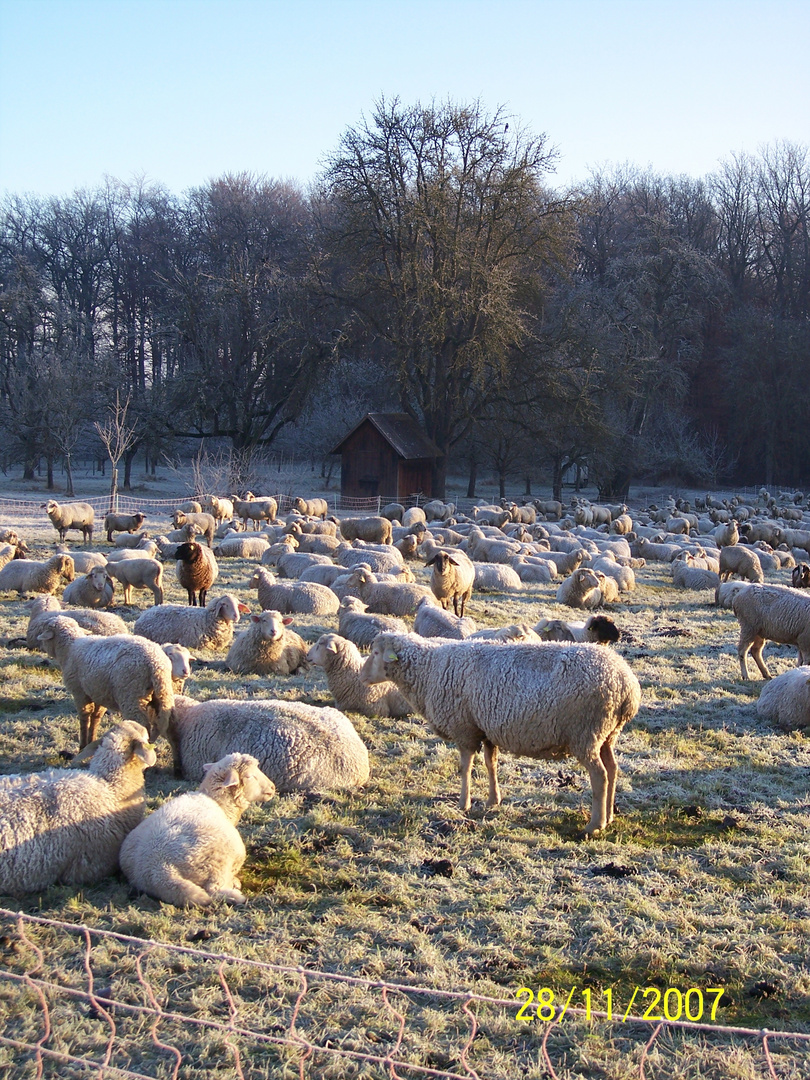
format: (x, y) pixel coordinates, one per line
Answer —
(219, 508)
(28, 575)
(453, 578)
(83, 561)
(580, 590)
(597, 629)
(496, 577)
(44, 609)
(687, 576)
(76, 516)
(315, 508)
(533, 570)
(299, 747)
(138, 574)
(293, 597)
(623, 575)
(122, 672)
(432, 621)
(771, 613)
(189, 851)
(294, 563)
(235, 546)
(785, 700)
(388, 561)
(93, 590)
(66, 826)
(482, 548)
(541, 701)
(384, 597)
(180, 659)
(739, 561)
(357, 624)
(342, 663)
(204, 522)
(267, 647)
(726, 591)
(123, 523)
(144, 549)
(251, 509)
(374, 530)
(513, 633)
(210, 627)
(412, 516)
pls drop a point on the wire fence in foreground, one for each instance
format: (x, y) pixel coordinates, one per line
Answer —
(77, 1001)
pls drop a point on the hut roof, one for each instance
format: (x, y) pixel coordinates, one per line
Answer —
(402, 433)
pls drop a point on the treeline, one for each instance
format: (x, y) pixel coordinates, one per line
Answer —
(640, 327)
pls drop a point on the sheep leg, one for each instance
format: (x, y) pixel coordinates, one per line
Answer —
(85, 710)
(756, 652)
(491, 762)
(599, 790)
(465, 769)
(609, 761)
(173, 888)
(743, 647)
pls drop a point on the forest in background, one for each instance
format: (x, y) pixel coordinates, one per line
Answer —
(641, 327)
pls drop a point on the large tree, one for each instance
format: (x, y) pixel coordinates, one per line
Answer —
(432, 219)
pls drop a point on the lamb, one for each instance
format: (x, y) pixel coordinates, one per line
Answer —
(197, 570)
(608, 587)
(77, 516)
(122, 672)
(124, 523)
(453, 578)
(299, 747)
(204, 522)
(138, 574)
(540, 701)
(342, 662)
(772, 613)
(210, 627)
(432, 621)
(44, 609)
(316, 508)
(407, 546)
(254, 509)
(374, 530)
(358, 626)
(235, 546)
(66, 826)
(740, 562)
(785, 700)
(580, 590)
(28, 575)
(496, 578)
(293, 597)
(599, 629)
(188, 852)
(267, 647)
(385, 598)
(94, 590)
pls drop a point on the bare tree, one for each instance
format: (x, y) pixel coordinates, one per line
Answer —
(117, 435)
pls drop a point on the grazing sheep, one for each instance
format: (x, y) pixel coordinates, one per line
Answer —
(124, 523)
(28, 575)
(267, 647)
(374, 530)
(204, 522)
(771, 613)
(188, 852)
(383, 597)
(432, 621)
(299, 747)
(785, 700)
(66, 826)
(124, 673)
(210, 627)
(357, 625)
(393, 511)
(94, 590)
(541, 701)
(342, 662)
(315, 508)
(738, 561)
(580, 590)
(250, 509)
(596, 629)
(292, 597)
(726, 591)
(77, 516)
(138, 574)
(235, 546)
(197, 570)
(44, 609)
(453, 578)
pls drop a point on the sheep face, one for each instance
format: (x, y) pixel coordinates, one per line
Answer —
(229, 609)
(237, 777)
(181, 661)
(319, 653)
(272, 624)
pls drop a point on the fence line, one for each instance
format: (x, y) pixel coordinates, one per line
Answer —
(253, 1013)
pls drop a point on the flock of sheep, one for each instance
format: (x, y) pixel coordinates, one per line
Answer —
(545, 691)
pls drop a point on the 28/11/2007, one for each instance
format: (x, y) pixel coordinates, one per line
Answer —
(688, 1005)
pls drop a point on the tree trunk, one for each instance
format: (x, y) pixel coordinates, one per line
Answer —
(114, 491)
(556, 477)
(528, 490)
(69, 471)
(49, 464)
(502, 485)
(439, 478)
(473, 478)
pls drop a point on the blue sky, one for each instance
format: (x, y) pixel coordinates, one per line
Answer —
(184, 90)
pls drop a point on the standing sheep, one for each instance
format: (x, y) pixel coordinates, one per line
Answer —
(197, 570)
(453, 578)
(315, 508)
(374, 530)
(188, 851)
(204, 522)
(739, 561)
(267, 647)
(66, 826)
(771, 613)
(342, 662)
(77, 516)
(129, 523)
(138, 574)
(540, 701)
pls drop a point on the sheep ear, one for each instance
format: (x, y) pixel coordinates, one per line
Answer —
(255, 618)
(86, 753)
(287, 621)
(145, 752)
(208, 765)
(430, 562)
(231, 779)
(243, 609)
(391, 657)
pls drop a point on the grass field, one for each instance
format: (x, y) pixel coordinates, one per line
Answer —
(703, 881)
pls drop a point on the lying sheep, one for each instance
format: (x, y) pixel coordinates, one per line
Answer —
(621, 574)
(44, 609)
(28, 575)
(496, 577)
(374, 530)
(800, 577)
(566, 561)
(541, 701)
(210, 627)
(299, 747)
(294, 563)
(66, 826)
(293, 597)
(382, 597)
(453, 578)
(771, 613)
(138, 574)
(83, 561)
(482, 548)
(180, 659)
(432, 621)
(785, 700)
(123, 523)
(76, 516)
(204, 522)
(687, 576)
(323, 574)
(580, 590)
(267, 647)
(235, 546)
(94, 590)
(596, 629)
(357, 625)
(188, 851)
(381, 562)
(342, 662)
(533, 570)
(124, 673)
(738, 561)
(513, 633)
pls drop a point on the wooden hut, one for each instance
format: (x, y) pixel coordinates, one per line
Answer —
(389, 455)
